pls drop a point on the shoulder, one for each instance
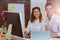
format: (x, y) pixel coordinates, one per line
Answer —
(42, 21)
(57, 17)
(29, 22)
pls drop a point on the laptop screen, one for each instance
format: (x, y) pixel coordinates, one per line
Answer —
(14, 19)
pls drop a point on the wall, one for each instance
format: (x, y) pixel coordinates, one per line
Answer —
(56, 5)
(4, 6)
(39, 3)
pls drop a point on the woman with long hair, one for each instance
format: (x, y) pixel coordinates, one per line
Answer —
(35, 22)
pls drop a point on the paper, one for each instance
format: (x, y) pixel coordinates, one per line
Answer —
(8, 35)
(11, 8)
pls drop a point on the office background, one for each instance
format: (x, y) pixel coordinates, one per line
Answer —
(26, 6)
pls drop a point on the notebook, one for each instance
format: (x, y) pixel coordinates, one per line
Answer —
(37, 35)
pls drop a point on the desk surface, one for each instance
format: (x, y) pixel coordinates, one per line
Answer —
(13, 37)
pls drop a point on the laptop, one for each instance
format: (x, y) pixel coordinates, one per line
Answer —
(37, 35)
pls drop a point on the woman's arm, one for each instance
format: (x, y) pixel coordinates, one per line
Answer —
(27, 30)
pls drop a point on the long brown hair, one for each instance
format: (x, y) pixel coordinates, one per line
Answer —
(32, 15)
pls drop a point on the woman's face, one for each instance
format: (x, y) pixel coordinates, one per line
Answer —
(36, 13)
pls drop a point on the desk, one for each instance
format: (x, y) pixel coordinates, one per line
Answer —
(54, 39)
(13, 37)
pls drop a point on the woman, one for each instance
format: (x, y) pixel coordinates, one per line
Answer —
(35, 22)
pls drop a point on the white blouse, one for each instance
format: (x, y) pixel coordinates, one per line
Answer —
(35, 26)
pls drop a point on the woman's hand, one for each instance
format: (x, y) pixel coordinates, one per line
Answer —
(26, 34)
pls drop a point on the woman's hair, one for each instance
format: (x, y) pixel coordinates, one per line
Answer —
(32, 15)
